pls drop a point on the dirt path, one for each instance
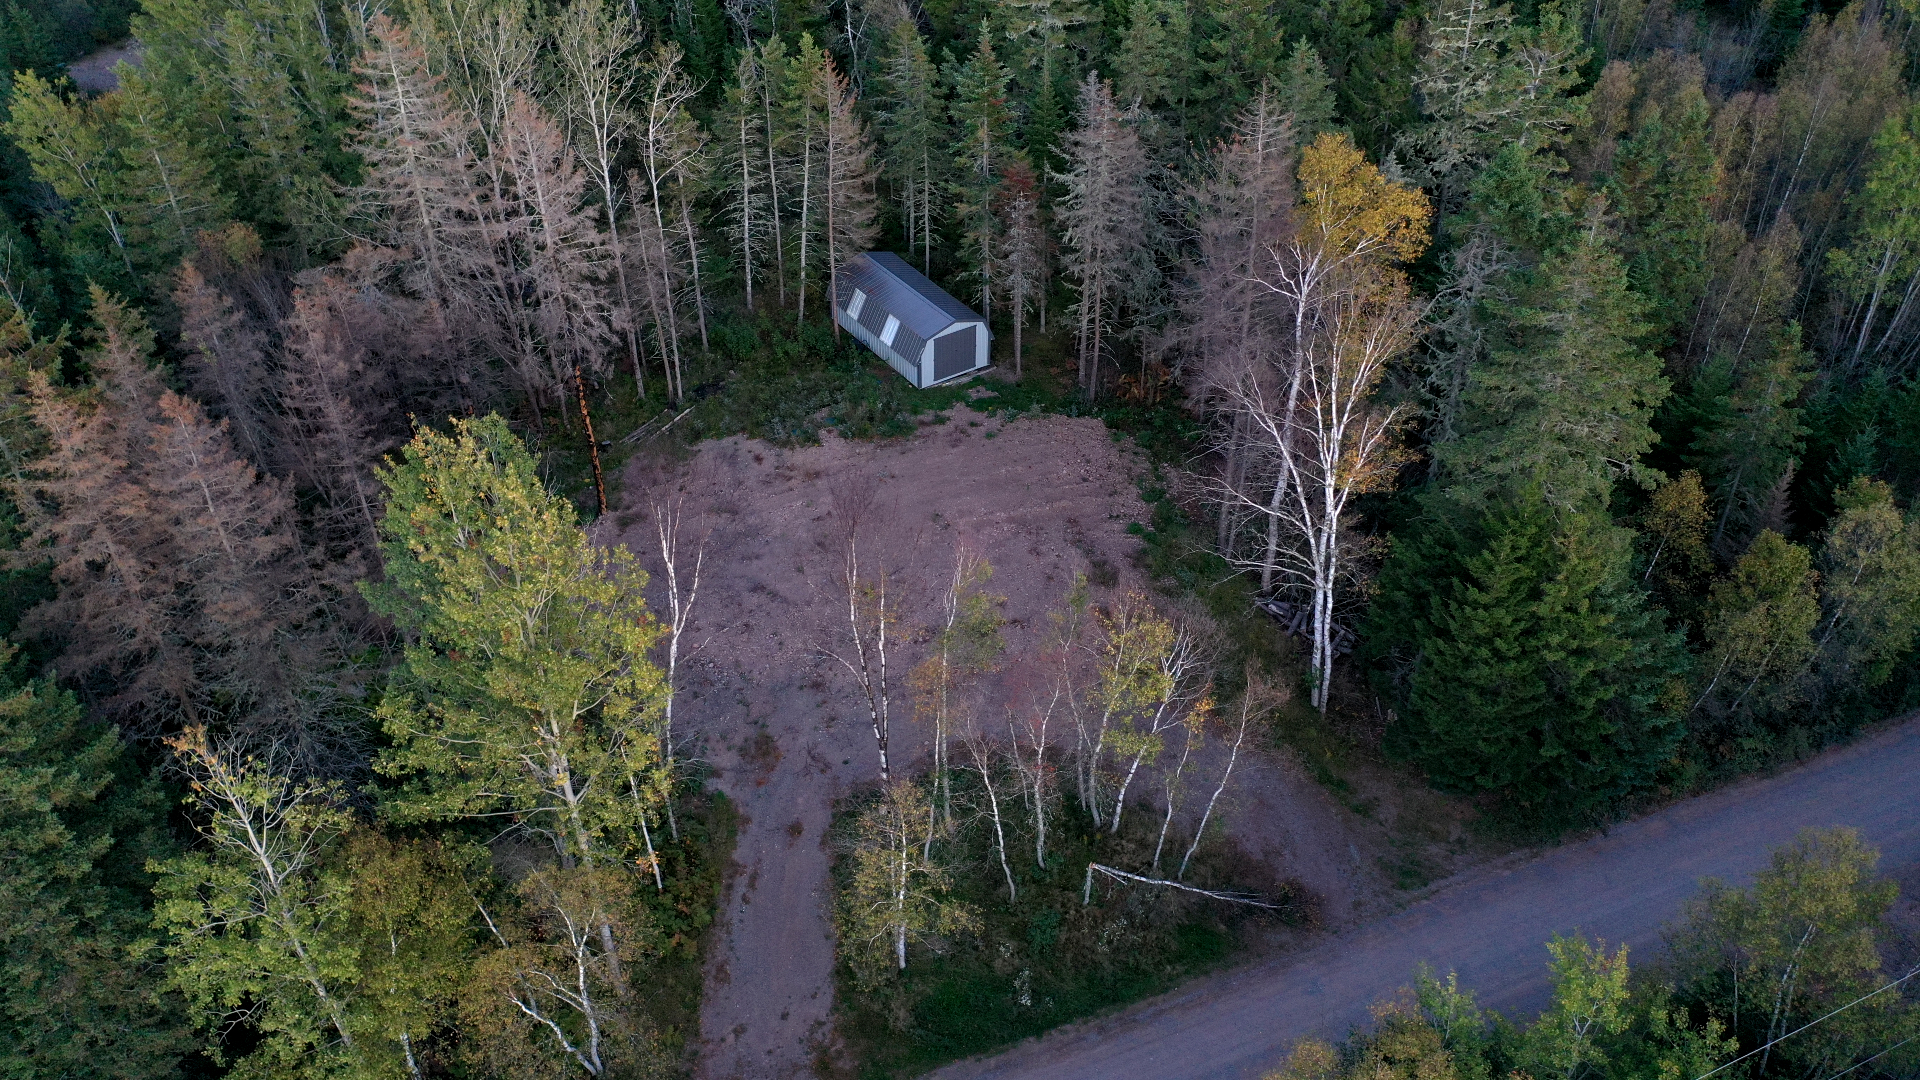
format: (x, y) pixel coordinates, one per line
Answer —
(1041, 498)
(94, 72)
(1489, 924)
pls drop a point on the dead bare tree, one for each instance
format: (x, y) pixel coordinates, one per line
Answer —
(682, 589)
(1102, 218)
(1257, 701)
(871, 609)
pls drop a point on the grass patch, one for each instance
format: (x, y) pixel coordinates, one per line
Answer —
(1047, 959)
(682, 914)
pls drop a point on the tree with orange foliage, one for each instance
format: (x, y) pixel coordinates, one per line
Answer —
(1342, 311)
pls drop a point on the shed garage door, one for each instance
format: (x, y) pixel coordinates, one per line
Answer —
(954, 353)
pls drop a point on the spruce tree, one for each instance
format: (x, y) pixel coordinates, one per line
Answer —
(910, 123)
(1565, 395)
(982, 142)
(1748, 434)
(79, 995)
(1524, 658)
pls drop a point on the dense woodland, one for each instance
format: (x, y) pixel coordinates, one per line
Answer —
(1554, 364)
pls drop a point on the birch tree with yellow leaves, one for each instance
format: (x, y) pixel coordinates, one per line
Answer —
(1308, 399)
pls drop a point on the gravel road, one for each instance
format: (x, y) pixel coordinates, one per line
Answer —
(1489, 924)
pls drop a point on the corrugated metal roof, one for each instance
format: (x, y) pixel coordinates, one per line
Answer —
(903, 292)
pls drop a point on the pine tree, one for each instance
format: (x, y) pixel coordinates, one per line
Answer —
(1662, 184)
(1154, 54)
(1748, 434)
(1485, 81)
(1303, 91)
(982, 133)
(1525, 658)
(1237, 47)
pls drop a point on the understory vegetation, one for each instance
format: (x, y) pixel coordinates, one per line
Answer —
(1005, 969)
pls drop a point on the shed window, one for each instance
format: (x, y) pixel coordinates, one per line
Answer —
(887, 333)
(859, 301)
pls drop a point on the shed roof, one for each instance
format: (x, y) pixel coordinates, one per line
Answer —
(903, 292)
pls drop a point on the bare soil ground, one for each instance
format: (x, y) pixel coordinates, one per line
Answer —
(1042, 498)
(94, 72)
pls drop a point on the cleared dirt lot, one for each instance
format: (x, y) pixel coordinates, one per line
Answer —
(1041, 497)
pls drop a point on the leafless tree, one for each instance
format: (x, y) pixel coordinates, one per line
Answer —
(848, 195)
(1023, 249)
(1242, 205)
(671, 151)
(1257, 701)
(872, 607)
(1102, 217)
(682, 581)
(597, 48)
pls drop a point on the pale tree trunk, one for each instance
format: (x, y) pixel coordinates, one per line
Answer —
(1247, 713)
(983, 761)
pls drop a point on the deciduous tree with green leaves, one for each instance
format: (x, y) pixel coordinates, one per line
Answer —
(528, 699)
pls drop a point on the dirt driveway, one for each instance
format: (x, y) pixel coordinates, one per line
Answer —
(1041, 497)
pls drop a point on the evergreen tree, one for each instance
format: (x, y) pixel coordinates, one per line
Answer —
(1524, 657)
(912, 138)
(1303, 91)
(1747, 434)
(983, 141)
(1151, 65)
(1486, 81)
(81, 996)
(1237, 45)
(1662, 184)
(1565, 395)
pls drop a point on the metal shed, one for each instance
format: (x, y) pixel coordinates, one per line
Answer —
(908, 321)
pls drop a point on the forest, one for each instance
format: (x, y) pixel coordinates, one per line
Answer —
(1548, 369)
